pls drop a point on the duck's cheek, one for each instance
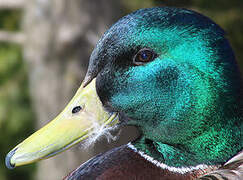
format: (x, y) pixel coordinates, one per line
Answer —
(105, 88)
(110, 85)
(115, 95)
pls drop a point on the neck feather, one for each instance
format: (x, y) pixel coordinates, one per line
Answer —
(180, 170)
(209, 149)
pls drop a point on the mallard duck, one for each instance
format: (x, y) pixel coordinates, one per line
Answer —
(171, 73)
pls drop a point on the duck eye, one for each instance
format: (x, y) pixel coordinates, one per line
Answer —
(76, 109)
(143, 56)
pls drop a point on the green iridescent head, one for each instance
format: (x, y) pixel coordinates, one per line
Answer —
(168, 71)
(172, 73)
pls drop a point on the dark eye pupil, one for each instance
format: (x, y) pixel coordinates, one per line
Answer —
(76, 109)
(143, 56)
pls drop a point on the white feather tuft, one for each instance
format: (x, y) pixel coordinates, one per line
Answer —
(99, 130)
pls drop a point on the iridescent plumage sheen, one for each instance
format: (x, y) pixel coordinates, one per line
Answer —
(188, 100)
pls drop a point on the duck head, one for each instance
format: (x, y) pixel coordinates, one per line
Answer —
(171, 73)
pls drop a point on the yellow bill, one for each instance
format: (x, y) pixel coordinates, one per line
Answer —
(75, 123)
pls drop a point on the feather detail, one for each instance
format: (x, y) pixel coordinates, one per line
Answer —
(231, 170)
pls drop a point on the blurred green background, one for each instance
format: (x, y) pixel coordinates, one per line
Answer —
(16, 116)
(17, 119)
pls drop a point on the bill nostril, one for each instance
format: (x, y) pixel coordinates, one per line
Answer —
(76, 109)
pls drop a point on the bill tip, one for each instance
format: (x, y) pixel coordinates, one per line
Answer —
(8, 159)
